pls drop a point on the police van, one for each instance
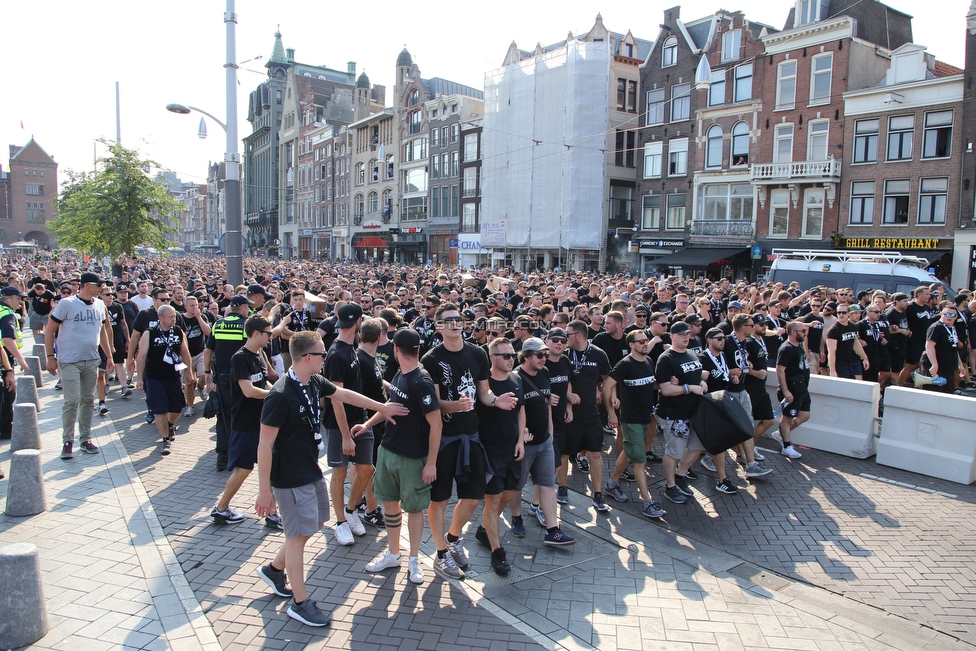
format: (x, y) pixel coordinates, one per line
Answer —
(859, 270)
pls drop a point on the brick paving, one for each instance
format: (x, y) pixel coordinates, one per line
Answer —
(817, 556)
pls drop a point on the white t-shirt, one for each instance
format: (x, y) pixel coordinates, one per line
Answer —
(142, 303)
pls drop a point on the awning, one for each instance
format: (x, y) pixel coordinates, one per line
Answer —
(371, 241)
(695, 257)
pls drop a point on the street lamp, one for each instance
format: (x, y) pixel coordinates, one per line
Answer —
(627, 229)
(232, 183)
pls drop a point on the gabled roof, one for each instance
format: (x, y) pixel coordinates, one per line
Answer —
(943, 69)
(32, 152)
(700, 30)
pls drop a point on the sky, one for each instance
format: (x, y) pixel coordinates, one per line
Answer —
(64, 57)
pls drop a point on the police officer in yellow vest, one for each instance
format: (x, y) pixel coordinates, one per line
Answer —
(226, 338)
(11, 300)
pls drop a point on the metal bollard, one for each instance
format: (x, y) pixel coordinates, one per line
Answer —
(24, 618)
(27, 391)
(26, 434)
(25, 486)
(34, 368)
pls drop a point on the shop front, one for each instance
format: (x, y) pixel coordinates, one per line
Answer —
(650, 249)
(470, 253)
(706, 262)
(321, 245)
(441, 251)
(938, 251)
(371, 247)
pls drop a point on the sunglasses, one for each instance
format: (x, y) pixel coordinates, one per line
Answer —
(65, 291)
(494, 333)
(449, 319)
(322, 355)
(540, 355)
(951, 315)
(505, 356)
(558, 340)
(839, 312)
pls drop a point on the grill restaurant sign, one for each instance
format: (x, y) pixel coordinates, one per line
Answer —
(886, 243)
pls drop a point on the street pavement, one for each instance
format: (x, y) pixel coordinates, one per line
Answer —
(825, 553)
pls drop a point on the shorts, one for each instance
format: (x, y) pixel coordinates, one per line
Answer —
(558, 441)
(118, 354)
(539, 461)
(470, 486)
(634, 436)
(742, 397)
(849, 371)
(508, 473)
(38, 321)
(675, 446)
(242, 449)
(197, 365)
(913, 354)
(583, 436)
(303, 509)
(896, 357)
(364, 449)
(801, 401)
(164, 396)
(401, 479)
(102, 360)
(762, 406)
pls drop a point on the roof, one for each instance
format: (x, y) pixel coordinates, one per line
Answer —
(363, 81)
(437, 86)
(36, 152)
(699, 30)
(404, 60)
(278, 52)
(943, 69)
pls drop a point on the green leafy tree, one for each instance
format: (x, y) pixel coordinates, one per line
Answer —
(115, 209)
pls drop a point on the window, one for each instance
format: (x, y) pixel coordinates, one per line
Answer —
(669, 53)
(896, 202)
(414, 208)
(455, 132)
(713, 148)
(676, 212)
(817, 141)
(716, 89)
(455, 164)
(807, 11)
(35, 189)
(743, 82)
(444, 136)
(360, 173)
(435, 203)
(389, 167)
(415, 150)
(901, 130)
(621, 94)
(445, 166)
(724, 202)
(445, 200)
(414, 98)
(678, 157)
(680, 102)
(866, 141)
(470, 147)
(730, 44)
(329, 168)
(435, 167)
(786, 85)
(360, 206)
(470, 184)
(932, 197)
(387, 203)
(626, 142)
(454, 201)
(655, 106)
(740, 144)
(862, 203)
(621, 203)
(434, 141)
(415, 123)
(783, 143)
(813, 208)
(632, 96)
(820, 74)
(415, 180)
(938, 135)
(374, 203)
(35, 211)
(652, 159)
(779, 213)
(328, 191)
(469, 218)
(651, 217)
(374, 171)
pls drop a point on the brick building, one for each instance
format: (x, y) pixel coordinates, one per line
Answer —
(964, 255)
(30, 196)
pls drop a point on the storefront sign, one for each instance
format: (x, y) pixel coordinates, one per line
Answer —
(452, 243)
(373, 224)
(661, 244)
(889, 243)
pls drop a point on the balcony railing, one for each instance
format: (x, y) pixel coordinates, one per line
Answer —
(722, 228)
(810, 169)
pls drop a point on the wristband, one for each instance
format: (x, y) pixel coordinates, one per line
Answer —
(687, 390)
(494, 398)
(52, 355)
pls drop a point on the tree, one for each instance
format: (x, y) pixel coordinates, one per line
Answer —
(115, 209)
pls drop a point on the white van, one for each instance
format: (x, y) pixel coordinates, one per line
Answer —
(859, 270)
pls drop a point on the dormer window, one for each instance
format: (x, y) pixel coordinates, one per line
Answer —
(669, 54)
(629, 50)
(807, 12)
(731, 42)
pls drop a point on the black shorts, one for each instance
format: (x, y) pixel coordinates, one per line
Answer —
(896, 359)
(102, 360)
(470, 486)
(164, 396)
(508, 472)
(801, 401)
(884, 361)
(762, 406)
(242, 450)
(913, 354)
(584, 435)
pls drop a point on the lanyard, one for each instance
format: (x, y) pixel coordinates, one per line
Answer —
(741, 357)
(314, 411)
(169, 338)
(578, 364)
(299, 319)
(761, 343)
(952, 335)
(720, 365)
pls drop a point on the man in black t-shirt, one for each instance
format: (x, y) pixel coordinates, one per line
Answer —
(249, 387)
(843, 347)
(874, 340)
(41, 296)
(163, 361)
(197, 330)
(289, 475)
(942, 347)
(813, 343)
(919, 316)
(897, 320)
(793, 372)
(557, 364)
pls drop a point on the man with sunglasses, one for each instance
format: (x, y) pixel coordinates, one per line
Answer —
(843, 347)
(873, 334)
(557, 364)
(942, 346)
(919, 316)
(163, 362)
(426, 325)
(813, 341)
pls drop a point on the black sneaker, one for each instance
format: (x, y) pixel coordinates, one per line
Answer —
(227, 516)
(361, 506)
(273, 521)
(276, 579)
(725, 487)
(675, 495)
(609, 431)
(682, 485)
(221, 462)
(167, 447)
(89, 447)
(627, 475)
(518, 526)
(650, 457)
(126, 392)
(308, 613)
(172, 432)
(691, 475)
(499, 563)
(562, 495)
(67, 452)
(582, 463)
(375, 518)
(600, 504)
(482, 536)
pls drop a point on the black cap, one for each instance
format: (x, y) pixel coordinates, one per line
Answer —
(348, 315)
(256, 288)
(240, 300)
(680, 328)
(406, 339)
(10, 290)
(89, 277)
(758, 319)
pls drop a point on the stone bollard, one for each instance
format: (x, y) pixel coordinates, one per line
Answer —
(26, 434)
(39, 351)
(25, 486)
(27, 392)
(34, 368)
(24, 618)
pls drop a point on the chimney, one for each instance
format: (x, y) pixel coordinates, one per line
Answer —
(290, 53)
(351, 67)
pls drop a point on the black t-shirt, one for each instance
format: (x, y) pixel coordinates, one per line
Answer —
(386, 361)
(536, 389)
(896, 341)
(688, 369)
(457, 374)
(146, 319)
(499, 430)
(296, 452)
(591, 334)
(814, 332)
(845, 336)
(871, 337)
(409, 435)
(773, 341)
(945, 347)
(718, 370)
(164, 354)
(372, 376)
(588, 370)
(736, 356)
(246, 412)
(616, 349)
(635, 389)
(427, 329)
(920, 317)
(794, 360)
(759, 358)
(116, 318)
(41, 303)
(195, 340)
(559, 384)
(47, 282)
(130, 310)
(342, 365)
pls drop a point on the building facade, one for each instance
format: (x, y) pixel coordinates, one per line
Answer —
(30, 196)
(469, 250)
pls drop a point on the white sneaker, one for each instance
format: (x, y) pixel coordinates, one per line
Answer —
(708, 463)
(757, 456)
(355, 524)
(415, 571)
(776, 436)
(343, 535)
(791, 452)
(187, 411)
(384, 562)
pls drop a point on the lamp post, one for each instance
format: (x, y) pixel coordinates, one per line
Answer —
(234, 240)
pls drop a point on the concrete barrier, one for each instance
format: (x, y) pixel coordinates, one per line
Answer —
(25, 486)
(34, 368)
(842, 415)
(929, 433)
(24, 619)
(39, 351)
(27, 391)
(26, 434)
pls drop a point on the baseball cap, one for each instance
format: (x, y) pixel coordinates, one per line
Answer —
(735, 304)
(348, 315)
(900, 296)
(240, 300)
(533, 345)
(255, 289)
(89, 277)
(692, 319)
(680, 328)
(406, 339)
(642, 308)
(12, 291)
(555, 332)
(715, 333)
(759, 319)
